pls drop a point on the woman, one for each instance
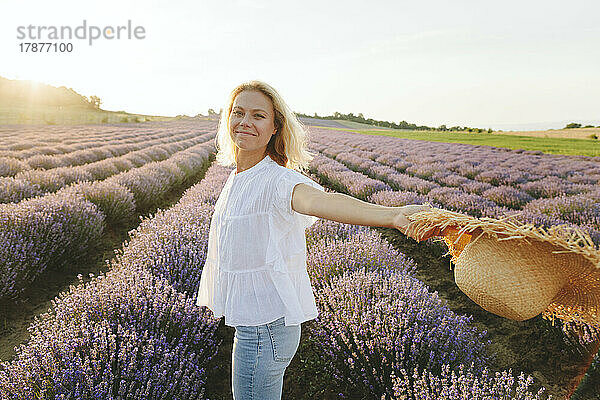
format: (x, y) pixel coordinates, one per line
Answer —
(255, 272)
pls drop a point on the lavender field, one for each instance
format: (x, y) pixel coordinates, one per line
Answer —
(392, 324)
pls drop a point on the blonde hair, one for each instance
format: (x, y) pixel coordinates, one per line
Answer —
(287, 147)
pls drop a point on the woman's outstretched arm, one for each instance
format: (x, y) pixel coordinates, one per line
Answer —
(346, 209)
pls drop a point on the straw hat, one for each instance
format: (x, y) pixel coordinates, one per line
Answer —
(518, 270)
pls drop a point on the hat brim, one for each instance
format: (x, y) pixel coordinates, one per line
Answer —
(577, 301)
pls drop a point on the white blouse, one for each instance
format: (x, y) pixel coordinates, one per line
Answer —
(255, 269)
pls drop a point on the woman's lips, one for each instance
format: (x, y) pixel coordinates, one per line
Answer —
(246, 133)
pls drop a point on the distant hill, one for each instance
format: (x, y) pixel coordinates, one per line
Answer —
(27, 102)
(28, 93)
(321, 122)
(360, 122)
(338, 123)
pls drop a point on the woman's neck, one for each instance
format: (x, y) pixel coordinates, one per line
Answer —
(246, 160)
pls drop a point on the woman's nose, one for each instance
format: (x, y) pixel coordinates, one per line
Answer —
(245, 120)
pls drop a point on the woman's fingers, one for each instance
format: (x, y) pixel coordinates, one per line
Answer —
(402, 223)
(429, 234)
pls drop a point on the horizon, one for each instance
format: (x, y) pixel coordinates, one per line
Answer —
(506, 67)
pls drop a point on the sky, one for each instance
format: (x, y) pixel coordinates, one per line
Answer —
(500, 65)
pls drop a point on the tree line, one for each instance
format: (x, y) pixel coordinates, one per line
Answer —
(574, 125)
(387, 124)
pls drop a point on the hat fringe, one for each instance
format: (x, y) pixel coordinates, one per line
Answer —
(572, 315)
(572, 240)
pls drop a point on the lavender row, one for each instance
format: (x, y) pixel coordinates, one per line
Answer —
(338, 248)
(44, 233)
(67, 145)
(11, 166)
(480, 194)
(581, 211)
(26, 141)
(38, 182)
(343, 179)
(580, 169)
(50, 231)
(132, 333)
(151, 181)
(23, 141)
(13, 133)
(124, 335)
(376, 320)
(475, 168)
(140, 188)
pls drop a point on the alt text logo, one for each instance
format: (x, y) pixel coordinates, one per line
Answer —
(49, 35)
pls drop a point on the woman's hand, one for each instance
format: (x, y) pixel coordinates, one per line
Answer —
(403, 224)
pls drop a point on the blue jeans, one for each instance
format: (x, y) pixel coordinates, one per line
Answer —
(259, 358)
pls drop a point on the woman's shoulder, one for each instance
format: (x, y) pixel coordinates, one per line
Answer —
(281, 170)
(284, 177)
(277, 171)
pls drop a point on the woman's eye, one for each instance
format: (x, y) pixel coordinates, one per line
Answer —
(258, 115)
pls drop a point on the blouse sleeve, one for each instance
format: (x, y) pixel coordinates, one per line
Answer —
(283, 197)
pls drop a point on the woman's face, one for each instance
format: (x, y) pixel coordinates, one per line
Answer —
(252, 120)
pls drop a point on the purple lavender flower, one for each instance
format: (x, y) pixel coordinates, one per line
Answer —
(507, 196)
(43, 233)
(373, 324)
(125, 334)
(463, 384)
